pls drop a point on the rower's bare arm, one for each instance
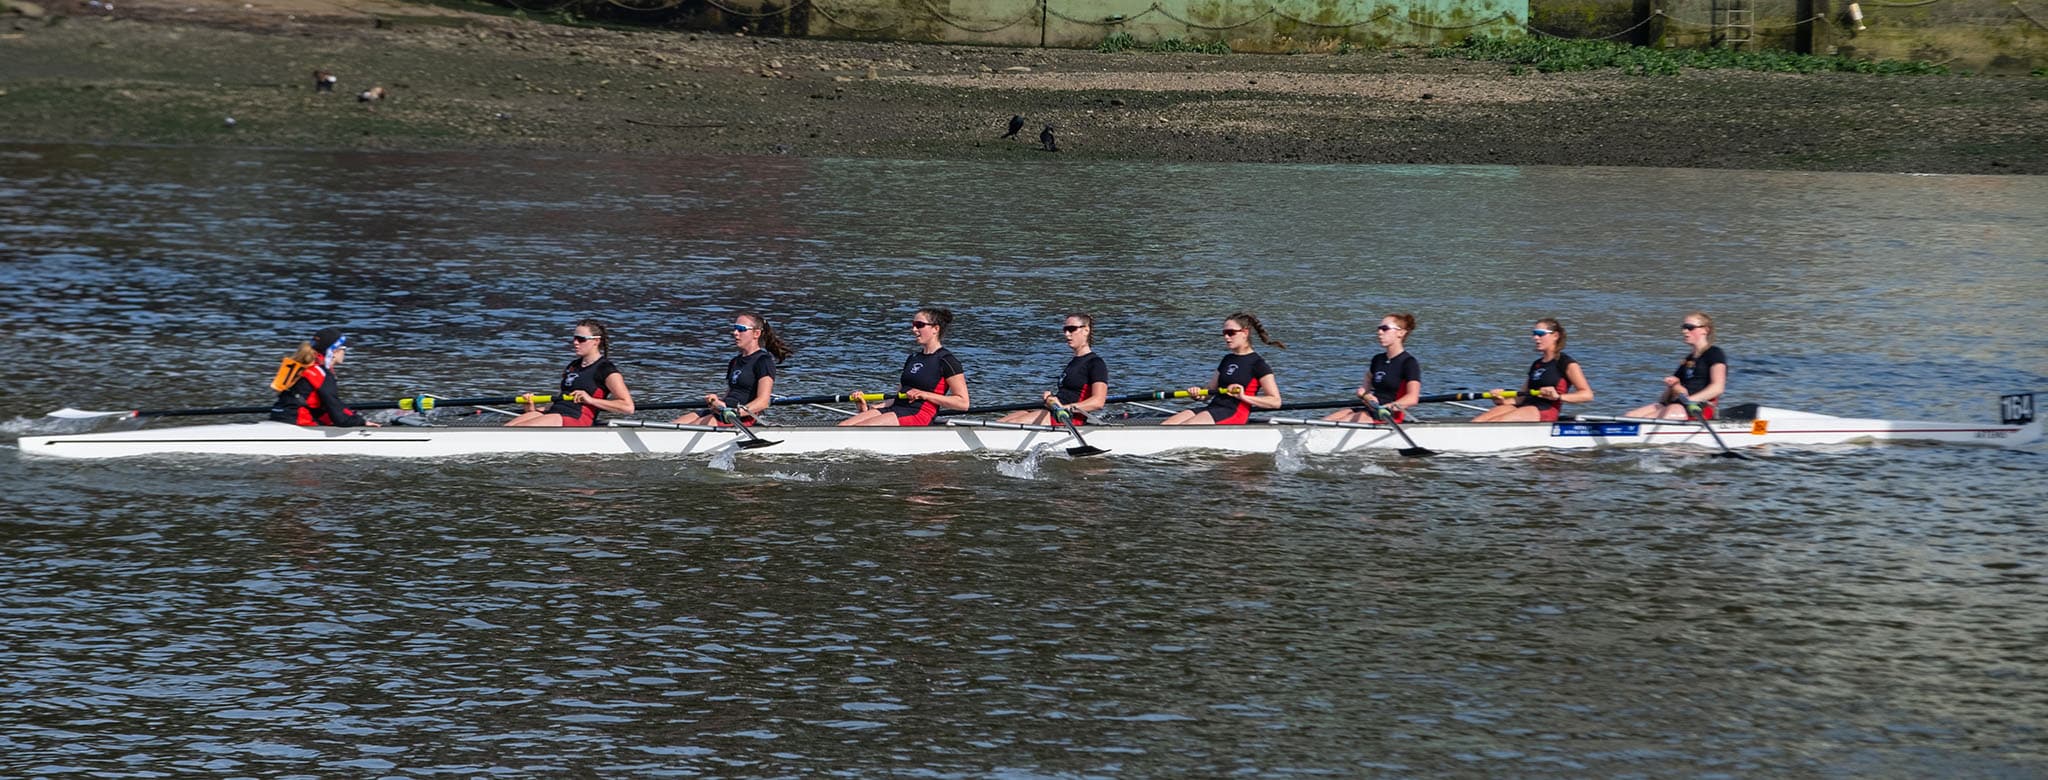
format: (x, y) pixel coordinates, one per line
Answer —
(956, 394)
(621, 401)
(1716, 385)
(1411, 394)
(1269, 394)
(764, 393)
(1098, 395)
(1581, 392)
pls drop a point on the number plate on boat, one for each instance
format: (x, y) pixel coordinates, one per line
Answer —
(1594, 429)
(2016, 409)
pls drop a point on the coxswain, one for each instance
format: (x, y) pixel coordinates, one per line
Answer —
(307, 392)
(590, 384)
(1393, 380)
(749, 376)
(1554, 378)
(1243, 380)
(932, 379)
(1702, 377)
(1084, 385)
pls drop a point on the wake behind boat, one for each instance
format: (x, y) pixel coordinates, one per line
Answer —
(1740, 427)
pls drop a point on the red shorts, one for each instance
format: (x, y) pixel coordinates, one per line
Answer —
(1707, 411)
(586, 418)
(926, 413)
(1548, 415)
(1243, 413)
(720, 422)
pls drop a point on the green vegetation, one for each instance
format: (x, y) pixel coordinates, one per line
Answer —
(1120, 42)
(1550, 55)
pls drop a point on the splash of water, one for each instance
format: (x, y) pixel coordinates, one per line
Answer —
(724, 459)
(1655, 463)
(1025, 466)
(1292, 456)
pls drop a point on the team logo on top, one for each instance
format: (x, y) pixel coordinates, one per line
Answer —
(1379, 377)
(569, 378)
(735, 376)
(916, 367)
(1230, 370)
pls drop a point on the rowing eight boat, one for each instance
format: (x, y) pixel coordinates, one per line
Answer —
(1748, 427)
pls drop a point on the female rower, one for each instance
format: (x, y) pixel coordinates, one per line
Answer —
(1394, 379)
(590, 384)
(932, 379)
(1242, 377)
(1702, 377)
(307, 393)
(1554, 378)
(1084, 385)
(749, 376)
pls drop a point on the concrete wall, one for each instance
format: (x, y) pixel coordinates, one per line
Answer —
(1991, 36)
(1995, 36)
(1246, 25)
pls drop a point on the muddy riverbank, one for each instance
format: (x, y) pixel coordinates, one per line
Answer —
(168, 72)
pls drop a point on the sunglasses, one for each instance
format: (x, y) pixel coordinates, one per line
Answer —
(1385, 328)
(1228, 332)
(919, 324)
(1071, 328)
(1690, 327)
(581, 339)
(741, 327)
(1540, 332)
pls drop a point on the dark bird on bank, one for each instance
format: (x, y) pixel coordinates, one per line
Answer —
(1016, 125)
(1045, 139)
(323, 81)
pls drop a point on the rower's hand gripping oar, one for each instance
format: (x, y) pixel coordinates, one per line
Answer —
(752, 440)
(1386, 415)
(1692, 408)
(1066, 418)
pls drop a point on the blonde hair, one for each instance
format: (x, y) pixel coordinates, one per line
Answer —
(1707, 321)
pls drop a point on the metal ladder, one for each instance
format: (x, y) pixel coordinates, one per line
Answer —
(1733, 23)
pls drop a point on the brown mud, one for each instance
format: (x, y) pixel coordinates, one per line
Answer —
(174, 72)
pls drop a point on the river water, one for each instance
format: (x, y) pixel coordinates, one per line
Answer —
(1852, 611)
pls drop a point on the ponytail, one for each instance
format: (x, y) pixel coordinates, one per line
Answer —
(1246, 318)
(769, 341)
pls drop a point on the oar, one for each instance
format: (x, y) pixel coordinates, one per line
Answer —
(753, 440)
(415, 403)
(666, 426)
(803, 400)
(1472, 396)
(1155, 395)
(1693, 408)
(840, 398)
(1066, 418)
(1413, 450)
(1606, 418)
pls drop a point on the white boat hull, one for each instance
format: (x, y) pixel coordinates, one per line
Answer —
(1772, 426)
